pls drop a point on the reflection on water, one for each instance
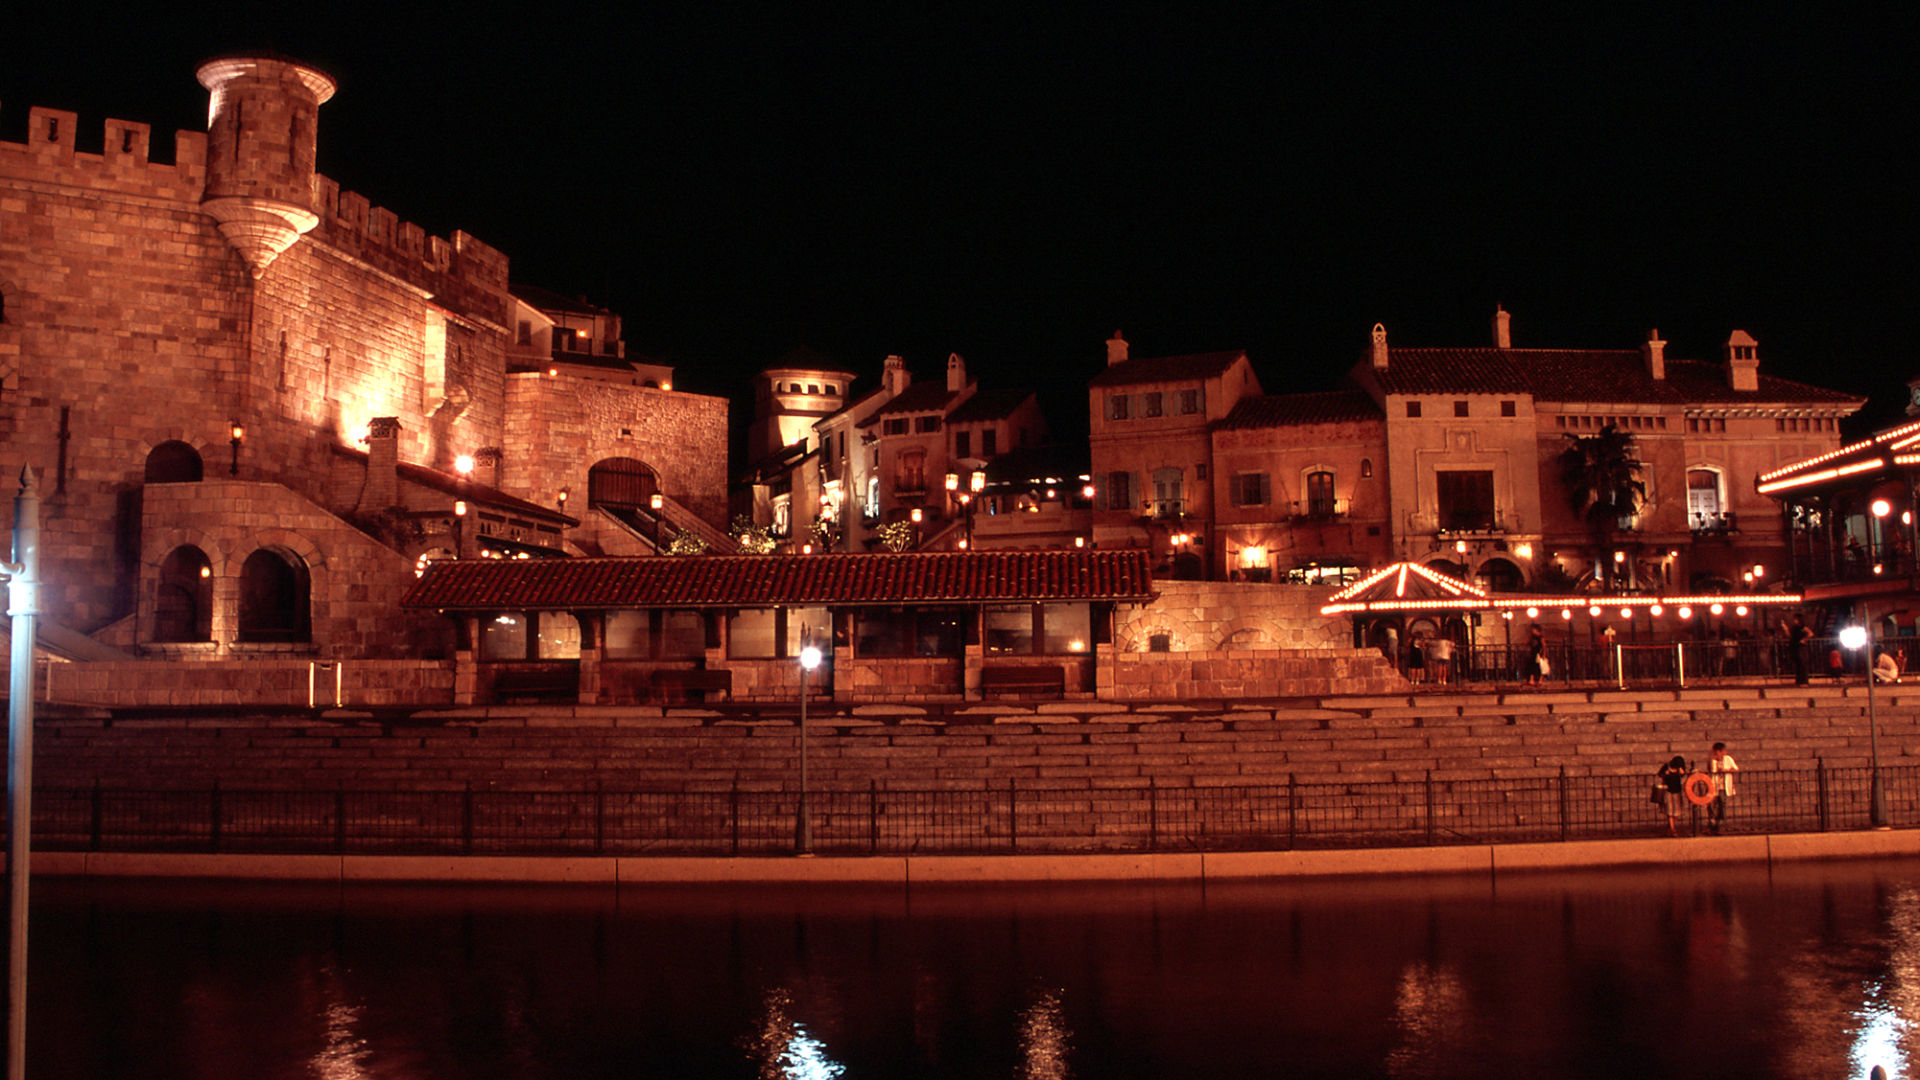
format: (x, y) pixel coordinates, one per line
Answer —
(1043, 1040)
(1802, 972)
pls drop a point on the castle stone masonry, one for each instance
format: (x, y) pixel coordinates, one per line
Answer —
(196, 352)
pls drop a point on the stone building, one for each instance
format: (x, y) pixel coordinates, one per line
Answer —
(1451, 457)
(260, 400)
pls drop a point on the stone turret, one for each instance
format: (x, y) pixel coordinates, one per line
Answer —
(261, 118)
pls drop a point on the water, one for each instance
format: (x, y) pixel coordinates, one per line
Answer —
(1808, 971)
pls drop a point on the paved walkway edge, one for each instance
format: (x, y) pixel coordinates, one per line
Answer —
(964, 869)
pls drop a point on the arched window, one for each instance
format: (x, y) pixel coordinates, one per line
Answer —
(273, 597)
(1498, 575)
(620, 482)
(183, 608)
(173, 462)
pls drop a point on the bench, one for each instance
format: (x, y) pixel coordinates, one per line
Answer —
(1024, 678)
(676, 684)
(541, 682)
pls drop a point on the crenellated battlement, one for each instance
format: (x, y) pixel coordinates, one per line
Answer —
(124, 165)
(461, 269)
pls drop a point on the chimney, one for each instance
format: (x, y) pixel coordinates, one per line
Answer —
(956, 373)
(1116, 349)
(1502, 335)
(383, 463)
(1379, 347)
(894, 376)
(1743, 362)
(1655, 352)
(486, 464)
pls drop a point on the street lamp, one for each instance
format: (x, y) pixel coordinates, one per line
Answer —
(653, 504)
(238, 433)
(1853, 637)
(917, 515)
(23, 604)
(803, 828)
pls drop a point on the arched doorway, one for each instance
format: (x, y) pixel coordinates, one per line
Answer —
(621, 482)
(274, 597)
(174, 462)
(1497, 576)
(183, 607)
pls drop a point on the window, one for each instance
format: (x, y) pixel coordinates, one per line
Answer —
(962, 444)
(1191, 401)
(656, 635)
(989, 443)
(910, 471)
(813, 388)
(1465, 499)
(1010, 629)
(750, 634)
(1320, 502)
(1119, 491)
(173, 462)
(1150, 403)
(870, 510)
(504, 636)
(1366, 468)
(558, 635)
(910, 632)
(1507, 408)
(1023, 629)
(183, 609)
(1703, 499)
(525, 336)
(1167, 485)
(1116, 406)
(1460, 408)
(1250, 489)
(832, 390)
(273, 597)
(1413, 410)
(895, 426)
(926, 424)
(782, 524)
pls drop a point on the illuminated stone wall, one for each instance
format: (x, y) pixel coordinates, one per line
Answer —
(127, 320)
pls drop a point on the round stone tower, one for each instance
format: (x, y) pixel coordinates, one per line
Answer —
(261, 117)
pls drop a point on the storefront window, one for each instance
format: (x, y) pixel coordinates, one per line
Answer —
(886, 632)
(1069, 628)
(504, 636)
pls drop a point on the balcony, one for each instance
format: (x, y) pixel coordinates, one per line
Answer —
(1710, 525)
(1319, 509)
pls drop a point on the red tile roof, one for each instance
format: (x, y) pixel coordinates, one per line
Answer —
(1584, 375)
(781, 580)
(1293, 410)
(989, 405)
(917, 397)
(1152, 369)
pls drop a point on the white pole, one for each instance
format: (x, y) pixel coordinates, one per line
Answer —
(23, 605)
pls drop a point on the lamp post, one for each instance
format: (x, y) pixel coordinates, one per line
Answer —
(653, 503)
(803, 825)
(1853, 637)
(917, 515)
(238, 433)
(23, 604)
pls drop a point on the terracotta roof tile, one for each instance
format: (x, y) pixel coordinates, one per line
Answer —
(1293, 410)
(1153, 369)
(917, 397)
(770, 580)
(989, 405)
(1585, 375)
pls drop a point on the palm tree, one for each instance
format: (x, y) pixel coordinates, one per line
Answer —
(1602, 478)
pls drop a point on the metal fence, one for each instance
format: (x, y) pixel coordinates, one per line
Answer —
(1666, 663)
(878, 820)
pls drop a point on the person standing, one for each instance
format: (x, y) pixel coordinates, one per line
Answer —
(1536, 655)
(1441, 656)
(1672, 777)
(1721, 767)
(1799, 640)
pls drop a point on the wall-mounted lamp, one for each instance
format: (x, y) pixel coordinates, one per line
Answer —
(463, 465)
(978, 481)
(1079, 541)
(953, 481)
(238, 433)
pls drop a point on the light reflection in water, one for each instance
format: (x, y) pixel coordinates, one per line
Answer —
(1433, 1013)
(343, 1056)
(783, 1047)
(1890, 1007)
(1043, 1040)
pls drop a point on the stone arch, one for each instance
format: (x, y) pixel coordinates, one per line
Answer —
(174, 462)
(1499, 575)
(276, 590)
(183, 599)
(621, 481)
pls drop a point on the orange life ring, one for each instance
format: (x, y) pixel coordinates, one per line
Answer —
(1700, 788)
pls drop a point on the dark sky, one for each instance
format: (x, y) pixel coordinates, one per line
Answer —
(740, 180)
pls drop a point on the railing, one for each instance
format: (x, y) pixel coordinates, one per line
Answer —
(878, 820)
(1667, 663)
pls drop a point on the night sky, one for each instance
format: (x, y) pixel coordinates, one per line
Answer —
(738, 181)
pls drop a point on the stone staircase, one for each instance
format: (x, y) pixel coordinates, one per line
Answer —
(1401, 738)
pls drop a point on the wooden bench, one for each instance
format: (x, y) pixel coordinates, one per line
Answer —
(540, 682)
(1024, 678)
(677, 684)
